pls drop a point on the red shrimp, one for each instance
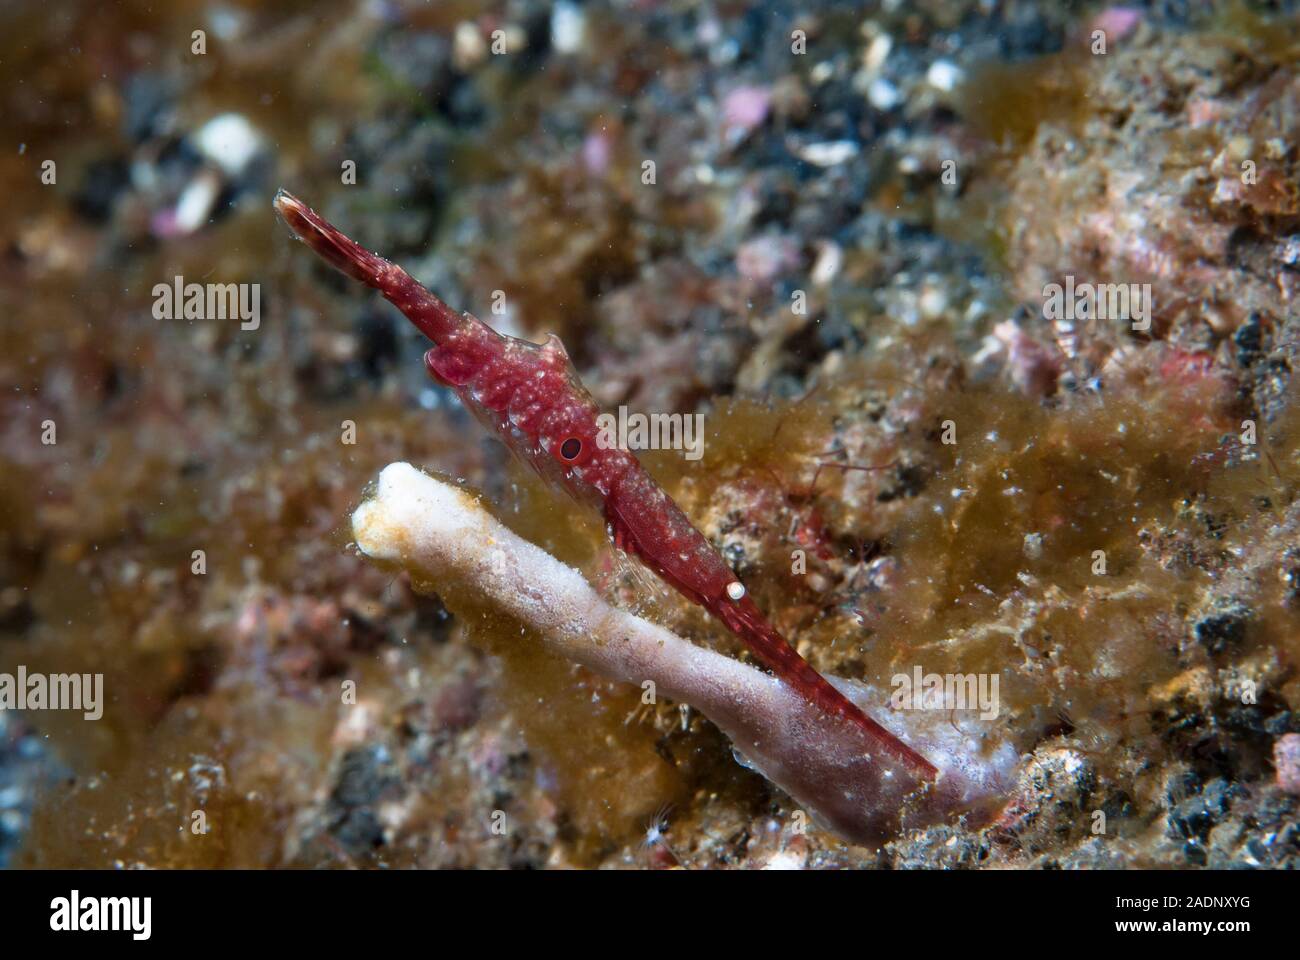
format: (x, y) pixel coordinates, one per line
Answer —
(529, 396)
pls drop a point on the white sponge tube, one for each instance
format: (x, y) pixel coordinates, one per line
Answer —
(441, 535)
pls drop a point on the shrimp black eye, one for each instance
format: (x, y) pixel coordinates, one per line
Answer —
(571, 448)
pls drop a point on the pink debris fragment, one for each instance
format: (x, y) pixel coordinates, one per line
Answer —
(597, 152)
(1117, 22)
(1204, 111)
(163, 224)
(745, 109)
(766, 258)
(1286, 758)
(1187, 367)
(1033, 368)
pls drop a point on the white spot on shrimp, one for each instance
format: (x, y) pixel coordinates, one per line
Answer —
(735, 590)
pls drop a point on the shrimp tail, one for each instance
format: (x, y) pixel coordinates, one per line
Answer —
(763, 640)
(431, 316)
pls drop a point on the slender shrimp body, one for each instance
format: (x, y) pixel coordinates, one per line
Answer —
(529, 395)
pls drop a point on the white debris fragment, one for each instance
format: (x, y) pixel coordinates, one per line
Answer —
(830, 259)
(877, 52)
(786, 860)
(933, 300)
(229, 141)
(944, 75)
(195, 204)
(883, 95)
(468, 46)
(568, 27)
(830, 153)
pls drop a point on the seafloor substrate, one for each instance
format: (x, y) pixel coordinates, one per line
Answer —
(1155, 693)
